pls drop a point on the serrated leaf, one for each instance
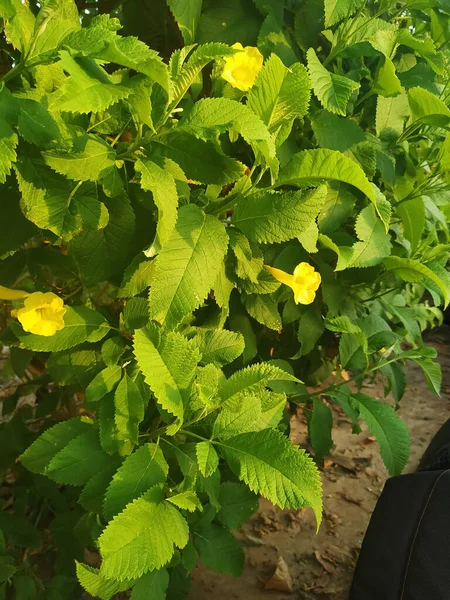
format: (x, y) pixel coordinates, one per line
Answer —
(318, 166)
(37, 457)
(137, 277)
(427, 108)
(101, 254)
(142, 538)
(386, 82)
(112, 350)
(374, 244)
(310, 329)
(151, 585)
(271, 466)
(74, 367)
(91, 498)
(201, 161)
(413, 271)
(207, 458)
(88, 88)
(338, 207)
(336, 10)
(81, 324)
(187, 266)
(187, 16)
(334, 132)
(136, 314)
(412, 214)
(140, 471)
(320, 429)
(35, 123)
(433, 373)
(251, 377)
(239, 414)
(96, 585)
(279, 94)
(332, 90)
(129, 410)
(55, 20)
(8, 137)
(80, 460)
(264, 309)
(103, 383)
(186, 501)
(211, 116)
(237, 503)
(391, 114)
(343, 324)
(218, 549)
(19, 23)
(278, 216)
(162, 185)
(391, 432)
(168, 364)
(219, 347)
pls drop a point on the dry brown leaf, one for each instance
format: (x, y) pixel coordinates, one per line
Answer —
(281, 580)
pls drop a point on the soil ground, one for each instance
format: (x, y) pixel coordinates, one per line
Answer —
(321, 566)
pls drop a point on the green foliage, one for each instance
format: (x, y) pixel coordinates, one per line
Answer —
(150, 195)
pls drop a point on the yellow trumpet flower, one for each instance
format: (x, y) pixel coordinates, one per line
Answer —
(242, 68)
(42, 313)
(304, 282)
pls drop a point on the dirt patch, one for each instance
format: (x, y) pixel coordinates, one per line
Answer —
(320, 567)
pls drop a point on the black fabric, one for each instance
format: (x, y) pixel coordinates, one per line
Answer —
(406, 550)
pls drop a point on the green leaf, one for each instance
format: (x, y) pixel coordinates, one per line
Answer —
(168, 364)
(129, 410)
(35, 123)
(338, 207)
(37, 457)
(187, 16)
(187, 266)
(332, 90)
(55, 20)
(202, 161)
(320, 429)
(264, 309)
(253, 376)
(270, 217)
(239, 414)
(91, 160)
(336, 10)
(136, 314)
(81, 324)
(74, 367)
(162, 185)
(219, 347)
(142, 470)
(396, 384)
(427, 108)
(15, 229)
(142, 538)
(344, 324)
(310, 329)
(237, 503)
(249, 258)
(98, 586)
(211, 116)
(391, 114)
(374, 244)
(413, 271)
(137, 277)
(186, 501)
(412, 214)
(386, 82)
(279, 94)
(151, 585)
(112, 350)
(391, 432)
(80, 460)
(101, 254)
(318, 166)
(219, 550)
(207, 458)
(334, 132)
(433, 373)
(271, 466)
(88, 88)
(103, 383)
(91, 498)
(8, 137)
(19, 23)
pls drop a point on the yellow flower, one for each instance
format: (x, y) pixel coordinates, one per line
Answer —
(304, 282)
(242, 68)
(7, 294)
(42, 314)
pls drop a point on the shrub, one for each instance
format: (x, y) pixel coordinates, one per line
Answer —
(186, 245)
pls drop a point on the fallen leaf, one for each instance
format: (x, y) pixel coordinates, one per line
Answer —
(281, 580)
(323, 563)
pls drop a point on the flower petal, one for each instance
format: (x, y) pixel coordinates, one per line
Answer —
(303, 296)
(8, 294)
(281, 276)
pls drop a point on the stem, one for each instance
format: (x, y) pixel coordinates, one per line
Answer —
(12, 73)
(194, 435)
